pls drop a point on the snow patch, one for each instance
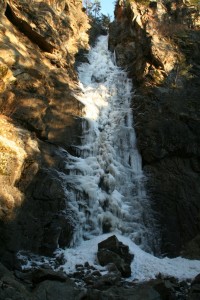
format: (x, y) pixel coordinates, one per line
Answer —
(144, 265)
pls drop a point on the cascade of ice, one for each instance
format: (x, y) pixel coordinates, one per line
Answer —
(105, 182)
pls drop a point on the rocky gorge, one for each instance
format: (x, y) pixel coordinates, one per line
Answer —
(159, 47)
(41, 42)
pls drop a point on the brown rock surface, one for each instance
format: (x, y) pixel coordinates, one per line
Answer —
(38, 44)
(42, 81)
(17, 148)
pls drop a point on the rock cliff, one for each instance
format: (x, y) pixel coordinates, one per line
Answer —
(40, 119)
(158, 44)
(39, 114)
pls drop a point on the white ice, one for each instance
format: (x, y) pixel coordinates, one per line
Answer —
(105, 183)
(144, 266)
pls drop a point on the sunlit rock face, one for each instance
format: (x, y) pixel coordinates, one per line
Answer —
(159, 47)
(39, 40)
(38, 43)
(17, 146)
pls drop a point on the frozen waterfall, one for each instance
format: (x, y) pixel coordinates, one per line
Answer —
(105, 182)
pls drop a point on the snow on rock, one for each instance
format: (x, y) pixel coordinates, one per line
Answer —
(145, 266)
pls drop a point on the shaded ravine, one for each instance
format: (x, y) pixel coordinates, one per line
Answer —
(105, 182)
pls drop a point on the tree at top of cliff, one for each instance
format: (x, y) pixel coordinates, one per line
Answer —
(96, 7)
(88, 5)
(93, 8)
(105, 20)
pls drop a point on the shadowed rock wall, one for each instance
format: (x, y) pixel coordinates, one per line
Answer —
(39, 114)
(160, 49)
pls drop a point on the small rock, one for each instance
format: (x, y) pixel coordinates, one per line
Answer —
(90, 279)
(79, 266)
(107, 280)
(86, 264)
(96, 273)
(78, 274)
(40, 275)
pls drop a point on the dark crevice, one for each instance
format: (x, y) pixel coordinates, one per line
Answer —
(31, 128)
(26, 29)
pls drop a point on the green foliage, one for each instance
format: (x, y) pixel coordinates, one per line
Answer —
(88, 5)
(96, 7)
(105, 20)
(93, 9)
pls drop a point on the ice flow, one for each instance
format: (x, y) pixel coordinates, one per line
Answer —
(105, 182)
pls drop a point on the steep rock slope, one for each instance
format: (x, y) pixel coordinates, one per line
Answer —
(158, 43)
(39, 114)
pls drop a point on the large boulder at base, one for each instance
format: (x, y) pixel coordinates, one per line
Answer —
(113, 251)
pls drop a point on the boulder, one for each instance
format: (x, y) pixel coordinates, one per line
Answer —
(106, 256)
(113, 251)
(114, 245)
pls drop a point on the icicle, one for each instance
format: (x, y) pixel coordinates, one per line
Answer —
(107, 177)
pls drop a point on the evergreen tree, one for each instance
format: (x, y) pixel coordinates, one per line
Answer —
(93, 9)
(105, 20)
(96, 8)
(88, 5)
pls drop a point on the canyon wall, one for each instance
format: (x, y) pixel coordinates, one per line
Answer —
(158, 44)
(38, 116)
(40, 119)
